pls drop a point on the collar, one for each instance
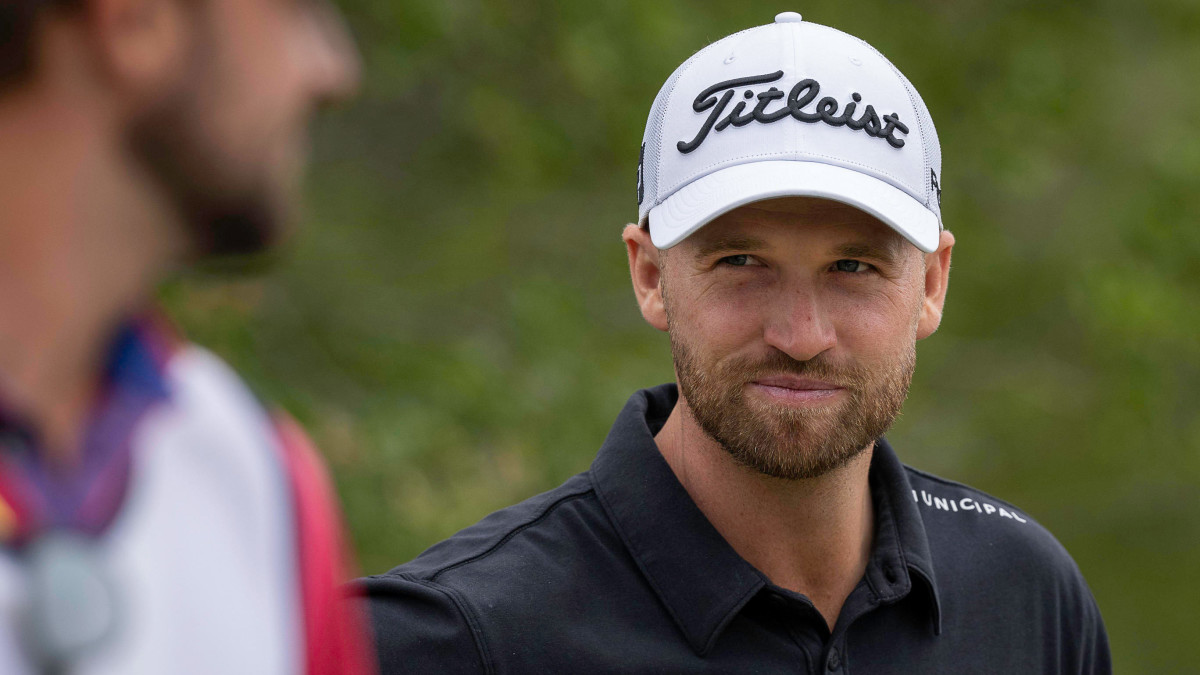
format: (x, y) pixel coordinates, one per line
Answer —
(696, 574)
(900, 540)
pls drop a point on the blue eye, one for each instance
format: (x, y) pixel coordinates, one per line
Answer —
(852, 266)
(736, 260)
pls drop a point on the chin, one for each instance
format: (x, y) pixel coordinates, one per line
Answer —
(798, 459)
(253, 222)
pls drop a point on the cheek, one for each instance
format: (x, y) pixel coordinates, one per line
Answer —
(716, 316)
(258, 78)
(877, 321)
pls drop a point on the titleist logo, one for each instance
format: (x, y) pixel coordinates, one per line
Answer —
(802, 94)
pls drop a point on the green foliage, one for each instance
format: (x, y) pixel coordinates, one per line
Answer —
(455, 327)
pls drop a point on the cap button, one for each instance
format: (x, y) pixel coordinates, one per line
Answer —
(788, 17)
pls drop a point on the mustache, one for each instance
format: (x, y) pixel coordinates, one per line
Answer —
(821, 368)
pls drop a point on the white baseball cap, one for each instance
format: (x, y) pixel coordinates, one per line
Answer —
(791, 108)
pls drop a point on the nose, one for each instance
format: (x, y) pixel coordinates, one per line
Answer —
(798, 327)
(336, 64)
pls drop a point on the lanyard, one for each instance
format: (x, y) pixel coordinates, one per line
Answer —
(52, 521)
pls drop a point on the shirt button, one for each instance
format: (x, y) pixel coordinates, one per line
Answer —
(835, 659)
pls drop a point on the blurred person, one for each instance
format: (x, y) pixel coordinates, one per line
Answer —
(154, 518)
(752, 518)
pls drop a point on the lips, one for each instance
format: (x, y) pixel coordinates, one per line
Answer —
(795, 383)
(795, 390)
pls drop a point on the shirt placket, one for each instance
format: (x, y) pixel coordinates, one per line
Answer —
(804, 625)
(889, 585)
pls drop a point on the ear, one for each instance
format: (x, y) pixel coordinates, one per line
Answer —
(937, 277)
(645, 266)
(142, 44)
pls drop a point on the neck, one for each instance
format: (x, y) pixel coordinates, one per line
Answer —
(810, 536)
(79, 251)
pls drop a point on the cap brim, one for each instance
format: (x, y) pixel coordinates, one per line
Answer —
(708, 197)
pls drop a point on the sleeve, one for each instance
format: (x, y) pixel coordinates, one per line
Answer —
(1094, 655)
(1081, 637)
(335, 629)
(421, 627)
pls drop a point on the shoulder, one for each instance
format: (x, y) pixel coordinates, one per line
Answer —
(212, 429)
(969, 525)
(992, 559)
(213, 432)
(216, 415)
(262, 464)
(214, 424)
(213, 410)
(435, 611)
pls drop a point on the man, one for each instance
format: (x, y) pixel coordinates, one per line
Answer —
(754, 520)
(153, 517)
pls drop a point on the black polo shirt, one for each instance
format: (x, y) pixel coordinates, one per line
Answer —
(618, 571)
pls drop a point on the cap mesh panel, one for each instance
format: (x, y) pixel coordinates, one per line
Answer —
(654, 126)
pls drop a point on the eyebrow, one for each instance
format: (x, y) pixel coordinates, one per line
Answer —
(735, 242)
(888, 254)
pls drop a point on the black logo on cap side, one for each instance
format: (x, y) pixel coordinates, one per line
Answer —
(803, 93)
(641, 179)
(937, 188)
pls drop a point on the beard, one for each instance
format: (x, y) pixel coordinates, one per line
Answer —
(227, 205)
(782, 441)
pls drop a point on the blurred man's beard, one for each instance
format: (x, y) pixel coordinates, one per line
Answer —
(226, 207)
(782, 441)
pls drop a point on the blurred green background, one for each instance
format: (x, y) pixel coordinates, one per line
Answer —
(455, 327)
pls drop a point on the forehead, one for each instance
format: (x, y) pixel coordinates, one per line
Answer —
(809, 221)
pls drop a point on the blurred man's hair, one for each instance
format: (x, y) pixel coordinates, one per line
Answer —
(18, 22)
